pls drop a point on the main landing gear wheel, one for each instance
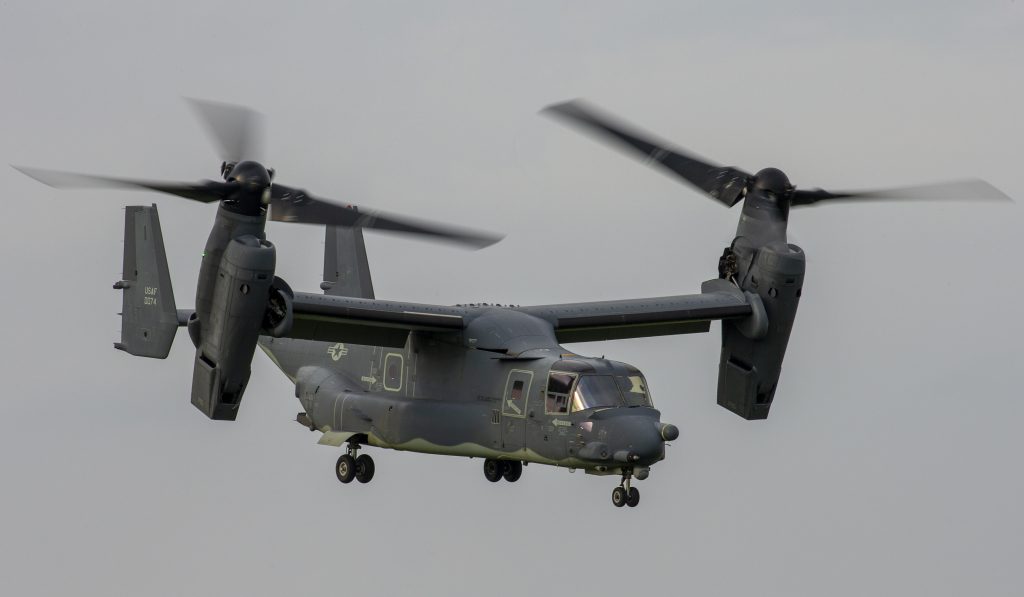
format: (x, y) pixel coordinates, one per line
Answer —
(493, 470)
(511, 470)
(619, 496)
(346, 468)
(364, 468)
(632, 497)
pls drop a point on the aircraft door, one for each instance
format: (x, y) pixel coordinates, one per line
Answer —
(514, 408)
(550, 435)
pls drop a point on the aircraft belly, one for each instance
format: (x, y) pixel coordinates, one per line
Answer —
(442, 423)
(392, 421)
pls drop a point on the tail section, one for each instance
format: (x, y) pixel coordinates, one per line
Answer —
(149, 319)
(346, 269)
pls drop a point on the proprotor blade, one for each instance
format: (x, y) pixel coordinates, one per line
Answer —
(206, 191)
(236, 129)
(295, 205)
(722, 183)
(970, 189)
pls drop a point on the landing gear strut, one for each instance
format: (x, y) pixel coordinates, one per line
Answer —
(352, 465)
(625, 494)
(495, 470)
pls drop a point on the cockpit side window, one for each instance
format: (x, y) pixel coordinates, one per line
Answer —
(634, 390)
(595, 391)
(559, 386)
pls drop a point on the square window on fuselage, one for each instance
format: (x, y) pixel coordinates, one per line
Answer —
(559, 386)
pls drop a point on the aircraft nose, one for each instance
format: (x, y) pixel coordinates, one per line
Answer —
(646, 439)
(629, 436)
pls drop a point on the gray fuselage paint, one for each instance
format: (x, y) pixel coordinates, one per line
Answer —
(442, 394)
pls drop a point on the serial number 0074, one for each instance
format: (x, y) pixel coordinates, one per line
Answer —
(150, 295)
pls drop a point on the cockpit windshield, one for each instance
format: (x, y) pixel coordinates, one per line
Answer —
(634, 390)
(594, 391)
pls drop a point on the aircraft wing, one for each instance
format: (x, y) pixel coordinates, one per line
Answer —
(388, 323)
(642, 317)
(368, 321)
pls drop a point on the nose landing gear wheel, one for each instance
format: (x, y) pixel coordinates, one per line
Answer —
(632, 497)
(625, 494)
(619, 497)
(512, 470)
(345, 468)
(493, 470)
(364, 468)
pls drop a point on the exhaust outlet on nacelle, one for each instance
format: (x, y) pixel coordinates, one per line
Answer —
(195, 329)
(278, 317)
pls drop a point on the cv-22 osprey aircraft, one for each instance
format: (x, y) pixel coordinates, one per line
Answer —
(483, 381)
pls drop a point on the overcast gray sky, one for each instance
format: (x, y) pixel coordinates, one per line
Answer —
(890, 464)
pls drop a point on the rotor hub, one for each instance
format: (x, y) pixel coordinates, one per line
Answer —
(250, 175)
(774, 181)
(253, 190)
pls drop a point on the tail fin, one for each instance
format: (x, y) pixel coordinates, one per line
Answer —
(149, 318)
(346, 269)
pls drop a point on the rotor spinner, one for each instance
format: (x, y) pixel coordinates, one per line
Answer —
(774, 181)
(254, 182)
(766, 208)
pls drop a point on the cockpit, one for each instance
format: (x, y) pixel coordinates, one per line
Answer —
(573, 391)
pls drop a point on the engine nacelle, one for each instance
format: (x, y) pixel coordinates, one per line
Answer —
(228, 337)
(751, 359)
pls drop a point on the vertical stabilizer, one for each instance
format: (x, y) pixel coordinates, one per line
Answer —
(346, 269)
(149, 318)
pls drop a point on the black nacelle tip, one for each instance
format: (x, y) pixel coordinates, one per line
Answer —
(773, 181)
